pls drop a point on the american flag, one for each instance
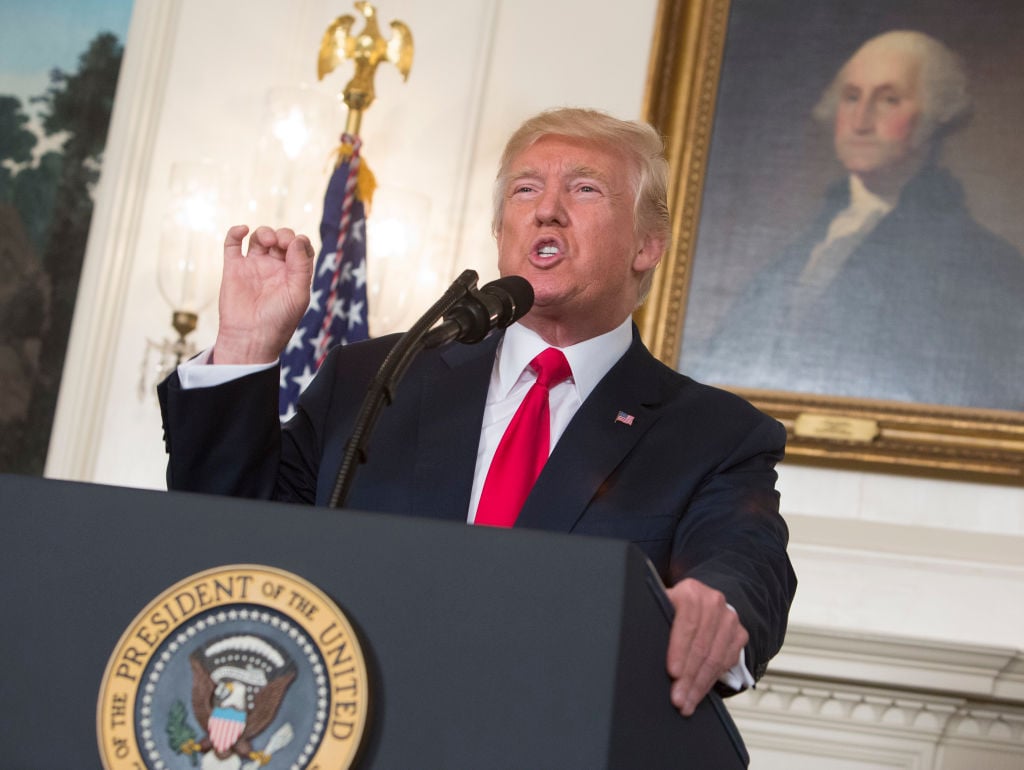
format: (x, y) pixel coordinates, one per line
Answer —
(624, 418)
(337, 311)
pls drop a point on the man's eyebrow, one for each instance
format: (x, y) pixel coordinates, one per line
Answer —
(888, 85)
(573, 172)
(523, 173)
(586, 171)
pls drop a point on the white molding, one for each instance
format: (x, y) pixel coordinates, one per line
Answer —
(987, 727)
(810, 718)
(914, 664)
(970, 549)
(849, 707)
(810, 747)
(840, 699)
(106, 270)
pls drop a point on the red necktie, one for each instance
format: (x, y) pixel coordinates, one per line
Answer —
(524, 448)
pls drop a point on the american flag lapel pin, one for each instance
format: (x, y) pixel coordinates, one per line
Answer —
(624, 418)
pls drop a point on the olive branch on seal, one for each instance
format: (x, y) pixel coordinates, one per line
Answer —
(179, 731)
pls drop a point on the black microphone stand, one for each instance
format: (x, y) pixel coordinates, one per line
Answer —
(382, 388)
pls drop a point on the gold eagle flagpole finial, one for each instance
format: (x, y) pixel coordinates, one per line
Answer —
(368, 49)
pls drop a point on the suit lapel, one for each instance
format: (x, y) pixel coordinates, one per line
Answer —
(595, 442)
(451, 414)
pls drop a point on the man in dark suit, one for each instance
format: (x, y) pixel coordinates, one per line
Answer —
(637, 451)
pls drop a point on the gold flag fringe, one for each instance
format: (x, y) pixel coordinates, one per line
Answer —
(366, 182)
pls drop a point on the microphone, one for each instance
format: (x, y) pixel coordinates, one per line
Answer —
(494, 306)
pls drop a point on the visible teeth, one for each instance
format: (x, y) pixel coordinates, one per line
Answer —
(548, 251)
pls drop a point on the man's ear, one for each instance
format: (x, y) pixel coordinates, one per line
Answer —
(652, 249)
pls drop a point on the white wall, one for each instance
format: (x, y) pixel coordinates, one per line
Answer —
(883, 554)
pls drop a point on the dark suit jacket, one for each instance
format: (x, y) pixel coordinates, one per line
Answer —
(691, 481)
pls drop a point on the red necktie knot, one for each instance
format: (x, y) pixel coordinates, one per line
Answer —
(551, 368)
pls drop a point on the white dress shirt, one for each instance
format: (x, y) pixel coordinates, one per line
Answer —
(846, 232)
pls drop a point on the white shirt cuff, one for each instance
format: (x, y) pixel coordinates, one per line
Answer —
(738, 677)
(197, 373)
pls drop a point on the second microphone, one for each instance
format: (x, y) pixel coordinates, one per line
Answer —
(494, 306)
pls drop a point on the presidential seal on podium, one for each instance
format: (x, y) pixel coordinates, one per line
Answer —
(235, 668)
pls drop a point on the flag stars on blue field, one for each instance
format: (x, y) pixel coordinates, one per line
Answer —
(339, 311)
(328, 265)
(320, 339)
(305, 378)
(355, 315)
(314, 301)
(346, 273)
(296, 342)
(359, 273)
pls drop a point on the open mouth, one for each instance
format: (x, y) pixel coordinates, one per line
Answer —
(547, 250)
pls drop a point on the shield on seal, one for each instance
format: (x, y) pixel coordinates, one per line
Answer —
(224, 728)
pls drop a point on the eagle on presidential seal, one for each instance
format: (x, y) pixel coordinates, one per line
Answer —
(238, 683)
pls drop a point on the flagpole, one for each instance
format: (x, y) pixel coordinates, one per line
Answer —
(338, 312)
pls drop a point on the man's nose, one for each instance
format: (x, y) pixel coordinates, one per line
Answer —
(863, 116)
(551, 207)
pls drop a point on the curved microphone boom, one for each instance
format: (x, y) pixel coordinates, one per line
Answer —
(494, 306)
(468, 316)
(382, 388)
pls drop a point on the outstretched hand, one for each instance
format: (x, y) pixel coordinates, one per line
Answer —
(263, 293)
(704, 643)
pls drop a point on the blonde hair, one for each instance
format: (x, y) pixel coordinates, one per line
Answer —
(638, 141)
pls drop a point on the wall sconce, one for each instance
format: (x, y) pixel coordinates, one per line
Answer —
(189, 258)
(293, 158)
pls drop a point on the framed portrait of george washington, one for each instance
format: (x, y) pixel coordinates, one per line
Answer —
(847, 224)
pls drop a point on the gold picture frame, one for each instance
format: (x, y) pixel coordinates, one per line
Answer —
(949, 441)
